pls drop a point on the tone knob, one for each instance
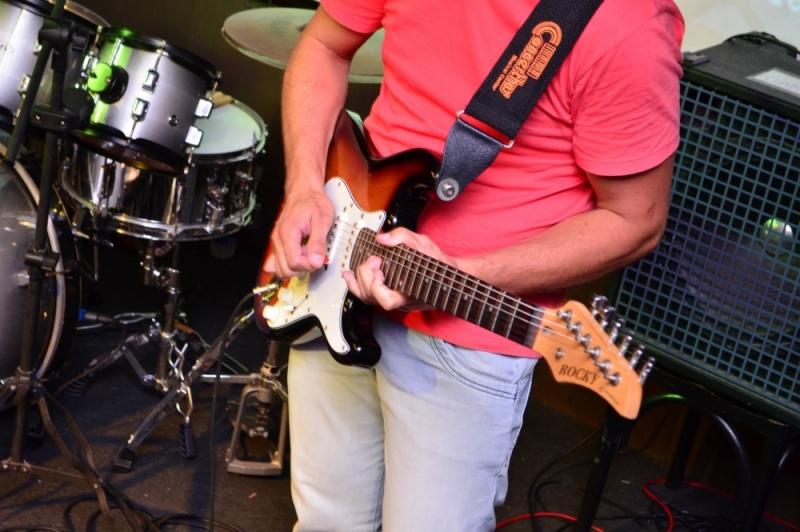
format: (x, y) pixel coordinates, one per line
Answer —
(286, 294)
(271, 313)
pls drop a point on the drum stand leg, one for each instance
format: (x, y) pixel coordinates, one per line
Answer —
(263, 386)
(57, 120)
(179, 391)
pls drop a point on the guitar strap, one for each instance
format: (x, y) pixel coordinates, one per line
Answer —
(510, 91)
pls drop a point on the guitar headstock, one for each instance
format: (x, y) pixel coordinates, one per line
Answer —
(581, 348)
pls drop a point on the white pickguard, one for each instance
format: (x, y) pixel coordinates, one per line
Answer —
(321, 293)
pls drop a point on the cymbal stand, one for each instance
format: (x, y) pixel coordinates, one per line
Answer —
(57, 119)
(179, 391)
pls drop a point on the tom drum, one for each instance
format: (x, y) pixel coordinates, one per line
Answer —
(215, 197)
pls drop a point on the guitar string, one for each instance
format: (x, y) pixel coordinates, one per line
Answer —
(546, 316)
(571, 337)
(527, 312)
(461, 277)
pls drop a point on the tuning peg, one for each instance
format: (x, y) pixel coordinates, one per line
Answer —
(594, 352)
(577, 328)
(605, 366)
(584, 340)
(607, 316)
(614, 378)
(625, 344)
(598, 304)
(636, 356)
(566, 315)
(614, 332)
(648, 366)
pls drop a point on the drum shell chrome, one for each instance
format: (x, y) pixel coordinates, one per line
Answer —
(60, 301)
(148, 126)
(215, 197)
(20, 23)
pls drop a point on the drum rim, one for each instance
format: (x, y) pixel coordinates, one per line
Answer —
(73, 11)
(63, 330)
(180, 55)
(146, 229)
(234, 155)
(92, 138)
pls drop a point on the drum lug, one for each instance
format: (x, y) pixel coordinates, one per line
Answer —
(203, 108)
(150, 80)
(23, 279)
(139, 109)
(23, 85)
(194, 136)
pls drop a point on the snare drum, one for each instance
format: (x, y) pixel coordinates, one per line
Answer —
(20, 22)
(60, 301)
(148, 94)
(214, 198)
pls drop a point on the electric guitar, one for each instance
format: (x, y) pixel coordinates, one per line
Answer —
(370, 195)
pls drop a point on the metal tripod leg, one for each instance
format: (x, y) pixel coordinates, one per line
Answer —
(123, 462)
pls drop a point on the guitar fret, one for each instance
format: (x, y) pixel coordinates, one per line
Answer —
(355, 257)
(415, 292)
(513, 319)
(479, 321)
(388, 265)
(444, 289)
(464, 297)
(406, 268)
(428, 280)
(494, 311)
(452, 294)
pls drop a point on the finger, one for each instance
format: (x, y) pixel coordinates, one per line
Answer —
(317, 240)
(269, 264)
(397, 236)
(352, 284)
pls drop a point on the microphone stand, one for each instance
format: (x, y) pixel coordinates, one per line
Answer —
(56, 36)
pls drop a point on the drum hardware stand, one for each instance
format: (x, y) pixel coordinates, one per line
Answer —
(263, 386)
(56, 35)
(179, 390)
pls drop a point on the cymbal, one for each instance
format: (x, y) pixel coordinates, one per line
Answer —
(270, 34)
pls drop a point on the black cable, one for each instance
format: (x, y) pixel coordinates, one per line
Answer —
(102, 359)
(195, 521)
(223, 345)
(532, 501)
(628, 513)
(548, 465)
(35, 528)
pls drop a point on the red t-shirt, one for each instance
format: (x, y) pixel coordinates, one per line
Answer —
(611, 109)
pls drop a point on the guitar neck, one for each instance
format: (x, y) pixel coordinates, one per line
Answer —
(451, 290)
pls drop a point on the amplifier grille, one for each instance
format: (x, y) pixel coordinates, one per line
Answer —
(721, 293)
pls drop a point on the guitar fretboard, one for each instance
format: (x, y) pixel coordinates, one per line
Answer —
(450, 290)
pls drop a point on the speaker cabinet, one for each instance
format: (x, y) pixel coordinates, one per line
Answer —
(718, 301)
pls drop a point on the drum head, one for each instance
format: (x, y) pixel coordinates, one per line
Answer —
(232, 131)
(60, 293)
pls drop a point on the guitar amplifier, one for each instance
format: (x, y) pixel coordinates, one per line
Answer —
(718, 301)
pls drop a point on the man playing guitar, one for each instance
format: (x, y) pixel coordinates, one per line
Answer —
(422, 441)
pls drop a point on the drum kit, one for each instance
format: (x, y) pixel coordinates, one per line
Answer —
(147, 149)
